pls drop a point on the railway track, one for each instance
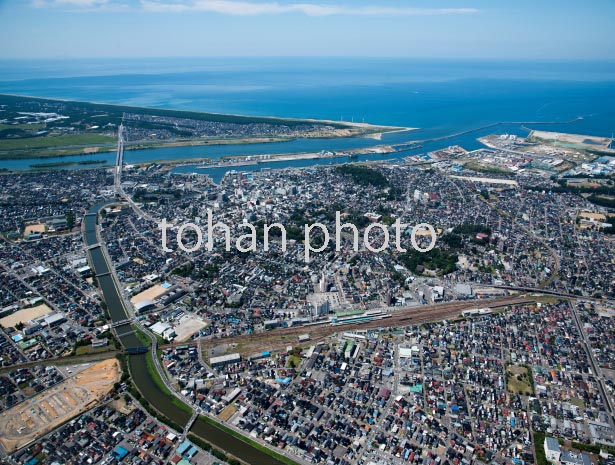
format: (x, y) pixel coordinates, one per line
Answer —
(251, 343)
(68, 360)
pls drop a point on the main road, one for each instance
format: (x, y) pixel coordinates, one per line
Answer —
(597, 371)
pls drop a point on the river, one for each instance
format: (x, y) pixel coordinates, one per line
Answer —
(138, 366)
(430, 139)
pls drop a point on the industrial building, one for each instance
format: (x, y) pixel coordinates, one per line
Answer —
(224, 360)
(163, 329)
(144, 306)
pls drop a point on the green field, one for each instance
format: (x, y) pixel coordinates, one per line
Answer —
(84, 350)
(81, 140)
(24, 127)
(94, 125)
(293, 361)
(519, 382)
(539, 448)
(141, 336)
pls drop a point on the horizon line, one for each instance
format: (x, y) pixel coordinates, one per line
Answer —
(341, 56)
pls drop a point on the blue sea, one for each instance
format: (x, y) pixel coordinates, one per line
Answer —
(439, 97)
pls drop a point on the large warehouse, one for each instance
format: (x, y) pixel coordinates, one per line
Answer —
(224, 360)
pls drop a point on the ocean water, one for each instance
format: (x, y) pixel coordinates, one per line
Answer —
(439, 97)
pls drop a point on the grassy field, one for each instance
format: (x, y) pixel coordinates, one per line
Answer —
(539, 448)
(84, 350)
(24, 127)
(293, 361)
(83, 140)
(144, 338)
(519, 380)
(547, 299)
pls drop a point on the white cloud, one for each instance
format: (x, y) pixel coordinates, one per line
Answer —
(81, 5)
(73, 3)
(84, 3)
(248, 8)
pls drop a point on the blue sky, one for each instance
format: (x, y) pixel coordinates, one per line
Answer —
(484, 29)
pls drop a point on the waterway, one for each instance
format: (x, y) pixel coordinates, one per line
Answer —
(213, 152)
(440, 96)
(105, 281)
(201, 428)
(466, 140)
(428, 140)
(138, 366)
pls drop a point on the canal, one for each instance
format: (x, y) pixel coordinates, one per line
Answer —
(138, 366)
(106, 283)
(208, 432)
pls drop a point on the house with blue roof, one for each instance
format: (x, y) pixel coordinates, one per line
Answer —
(120, 452)
(183, 447)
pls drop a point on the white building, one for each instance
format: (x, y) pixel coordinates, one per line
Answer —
(558, 456)
(552, 449)
(163, 329)
(144, 305)
(224, 360)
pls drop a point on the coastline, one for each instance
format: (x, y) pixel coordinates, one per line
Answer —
(336, 130)
(191, 143)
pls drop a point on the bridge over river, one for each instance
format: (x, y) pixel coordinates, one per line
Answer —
(122, 320)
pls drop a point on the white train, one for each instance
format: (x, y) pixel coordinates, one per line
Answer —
(476, 312)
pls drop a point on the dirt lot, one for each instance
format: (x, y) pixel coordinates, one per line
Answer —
(593, 216)
(25, 315)
(227, 412)
(34, 228)
(574, 140)
(121, 406)
(41, 414)
(187, 326)
(148, 294)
